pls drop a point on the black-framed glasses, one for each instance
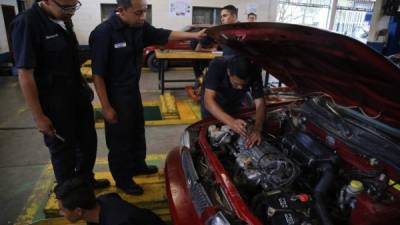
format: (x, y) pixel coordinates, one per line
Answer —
(140, 12)
(68, 8)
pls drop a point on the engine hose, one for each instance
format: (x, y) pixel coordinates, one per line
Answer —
(222, 151)
(256, 200)
(320, 191)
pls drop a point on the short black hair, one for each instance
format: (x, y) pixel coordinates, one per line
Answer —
(251, 14)
(124, 3)
(240, 66)
(232, 9)
(76, 193)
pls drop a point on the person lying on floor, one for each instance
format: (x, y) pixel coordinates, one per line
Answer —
(77, 202)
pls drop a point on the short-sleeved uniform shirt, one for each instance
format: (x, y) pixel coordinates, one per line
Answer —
(43, 45)
(117, 52)
(116, 211)
(227, 97)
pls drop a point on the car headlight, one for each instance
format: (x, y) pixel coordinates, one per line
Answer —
(218, 219)
(185, 139)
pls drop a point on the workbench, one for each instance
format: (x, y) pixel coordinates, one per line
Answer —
(181, 55)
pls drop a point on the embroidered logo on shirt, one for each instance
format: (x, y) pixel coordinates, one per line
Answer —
(120, 45)
(51, 36)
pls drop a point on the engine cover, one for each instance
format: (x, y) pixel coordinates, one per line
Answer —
(264, 165)
(306, 150)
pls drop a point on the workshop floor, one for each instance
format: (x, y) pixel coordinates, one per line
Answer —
(25, 178)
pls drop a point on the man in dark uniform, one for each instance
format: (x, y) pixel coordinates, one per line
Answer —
(206, 44)
(117, 51)
(225, 86)
(229, 15)
(46, 55)
(77, 201)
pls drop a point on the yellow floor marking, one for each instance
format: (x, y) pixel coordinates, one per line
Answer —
(188, 112)
(185, 112)
(57, 221)
(152, 184)
(397, 186)
(39, 192)
(154, 197)
(149, 157)
(21, 110)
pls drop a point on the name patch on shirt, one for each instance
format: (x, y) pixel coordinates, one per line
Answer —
(120, 45)
(51, 36)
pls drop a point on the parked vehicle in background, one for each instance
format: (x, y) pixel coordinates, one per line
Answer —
(149, 57)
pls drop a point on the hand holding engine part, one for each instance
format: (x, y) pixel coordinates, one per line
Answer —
(247, 131)
(253, 136)
(239, 126)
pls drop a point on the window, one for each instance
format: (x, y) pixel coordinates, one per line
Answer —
(306, 12)
(204, 15)
(351, 17)
(108, 9)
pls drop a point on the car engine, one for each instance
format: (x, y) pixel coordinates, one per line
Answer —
(296, 179)
(262, 165)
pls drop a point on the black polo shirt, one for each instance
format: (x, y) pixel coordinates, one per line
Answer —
(227, 97)
(116, 211)
(40, 44)
(117, 51)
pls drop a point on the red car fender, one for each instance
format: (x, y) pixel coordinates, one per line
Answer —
(179, 197)
(148, 50)
(222, 178)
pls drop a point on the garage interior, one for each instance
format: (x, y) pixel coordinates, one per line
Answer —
(27, 179)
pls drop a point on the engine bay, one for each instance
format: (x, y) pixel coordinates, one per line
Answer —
(296, 178)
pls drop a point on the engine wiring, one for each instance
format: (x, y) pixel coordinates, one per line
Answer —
(340, 106)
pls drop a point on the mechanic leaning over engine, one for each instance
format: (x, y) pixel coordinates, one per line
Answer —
(224, 89)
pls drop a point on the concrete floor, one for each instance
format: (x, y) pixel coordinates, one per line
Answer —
(23, 156)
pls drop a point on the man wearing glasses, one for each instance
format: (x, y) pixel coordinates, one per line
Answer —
(117, 51)
(46, 55)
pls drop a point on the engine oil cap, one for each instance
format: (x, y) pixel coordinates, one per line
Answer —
(303, 197)
(356, 185)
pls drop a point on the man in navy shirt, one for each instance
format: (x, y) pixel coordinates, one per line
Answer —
(46, 55)
(77, 201)
(225, 86)
(229, 15)
(117, 52)
(206, 44)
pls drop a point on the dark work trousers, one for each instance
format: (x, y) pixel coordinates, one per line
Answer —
(72, 117)
(198, 66)
(126, 139)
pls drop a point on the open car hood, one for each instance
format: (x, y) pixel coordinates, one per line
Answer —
(312, 60)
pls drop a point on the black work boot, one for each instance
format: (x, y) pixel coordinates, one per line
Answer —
(131, 188)
(146, 170)
(100, 183)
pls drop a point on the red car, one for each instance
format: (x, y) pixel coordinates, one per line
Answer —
(333, 158)
(149, 55)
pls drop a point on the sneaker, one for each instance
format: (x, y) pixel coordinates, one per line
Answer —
(131, 188)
